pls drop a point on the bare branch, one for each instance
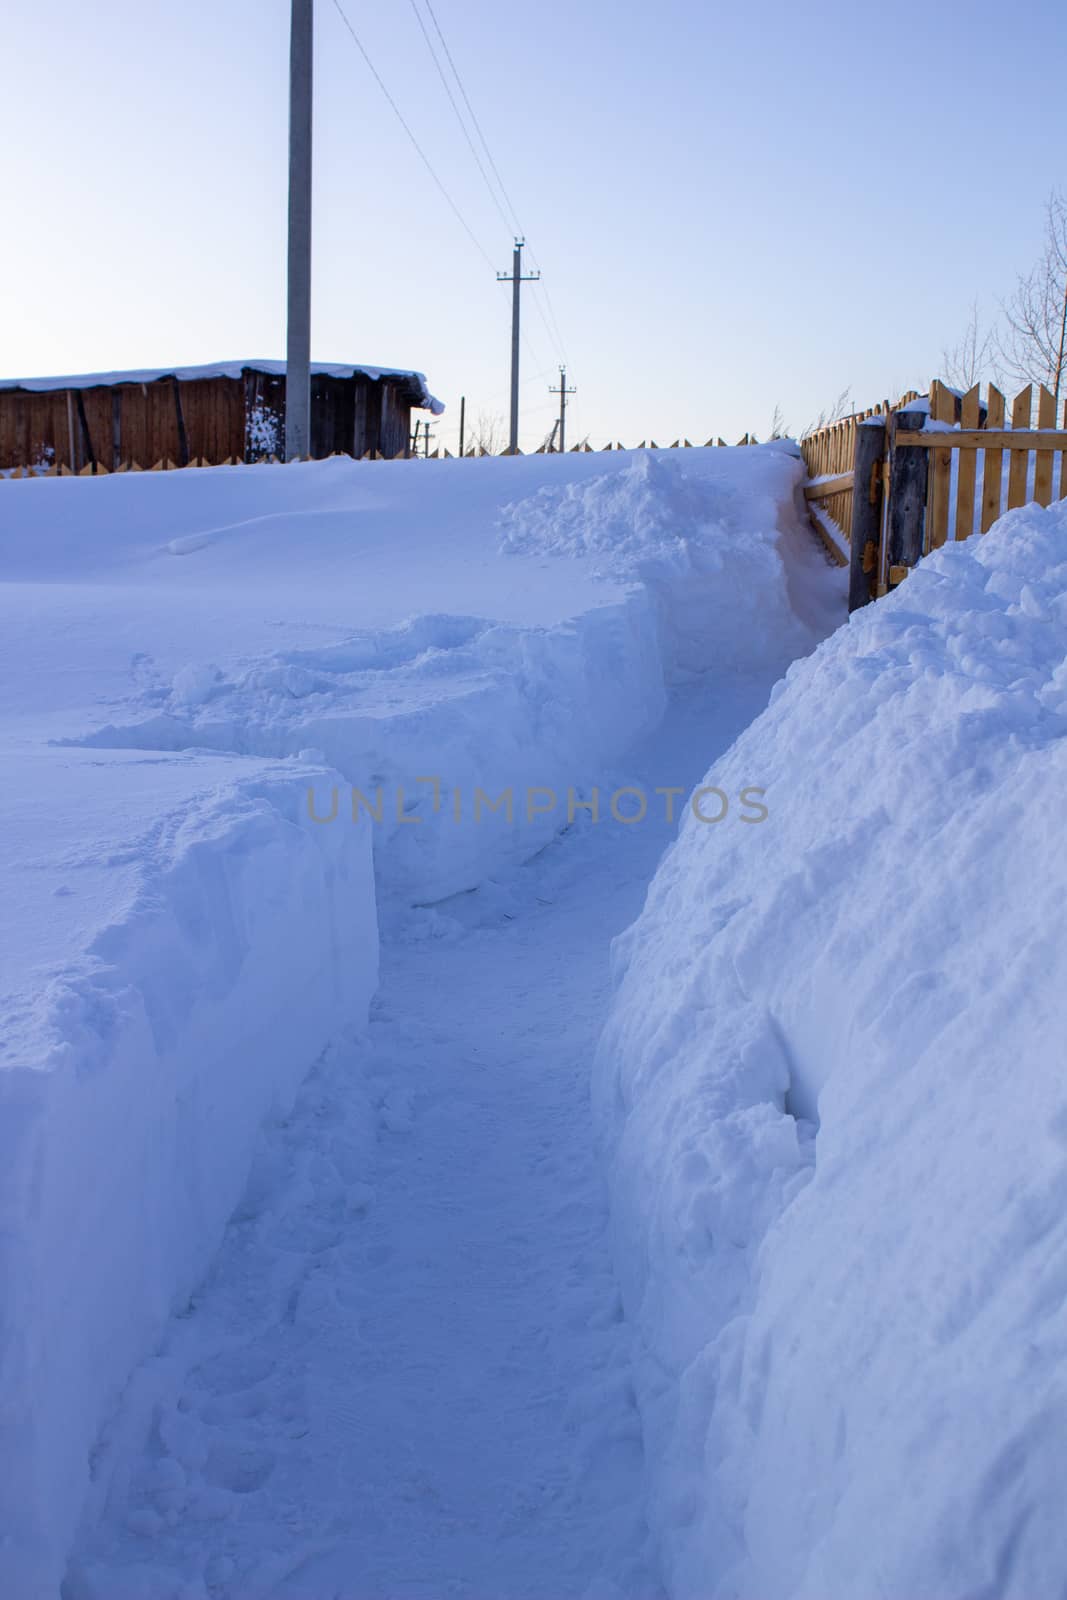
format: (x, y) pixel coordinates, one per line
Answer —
(974, 357)
(1033, 346)
(488, 433)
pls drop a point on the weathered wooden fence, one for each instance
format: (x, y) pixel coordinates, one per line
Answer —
(97, 468)
(889, 485)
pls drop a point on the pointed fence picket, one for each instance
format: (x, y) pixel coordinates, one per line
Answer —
(914, 481)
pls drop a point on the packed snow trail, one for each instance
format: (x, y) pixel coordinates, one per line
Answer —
(406, 1373)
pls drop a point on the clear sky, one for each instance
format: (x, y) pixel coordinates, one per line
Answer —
(733, 206)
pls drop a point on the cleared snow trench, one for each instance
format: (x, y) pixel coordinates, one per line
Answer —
(405, 1369)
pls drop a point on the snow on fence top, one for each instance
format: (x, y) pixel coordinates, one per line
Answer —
(226, 369)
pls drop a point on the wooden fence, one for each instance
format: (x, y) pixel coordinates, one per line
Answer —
(889, 485)
(97, 468)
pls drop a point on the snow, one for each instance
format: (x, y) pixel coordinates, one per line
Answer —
(151, 904)
(837, 538)
(411, 1341)
(312, 1281)
(325, 613)
(185, 659)
(223, 369)
(832, 1098)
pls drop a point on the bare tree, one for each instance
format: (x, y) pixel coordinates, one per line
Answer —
(973, 357)
(1033, 346)
(488, 433)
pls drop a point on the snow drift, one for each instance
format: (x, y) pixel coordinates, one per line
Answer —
(499, 623)
(833, 1093)
(183, 657)
(184, 944)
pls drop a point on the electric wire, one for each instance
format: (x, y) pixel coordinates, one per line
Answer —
(554, 336)
(403, 123)
(459, 118)
(520, 231)
(553, 331)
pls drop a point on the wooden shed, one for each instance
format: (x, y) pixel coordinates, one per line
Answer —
(230, 411)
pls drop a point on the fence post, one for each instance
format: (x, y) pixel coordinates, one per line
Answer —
(865, 533)
(908, 468)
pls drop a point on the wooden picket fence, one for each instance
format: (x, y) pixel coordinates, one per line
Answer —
(98, 470)
(829, 455)
(576, 449)
(888, 485)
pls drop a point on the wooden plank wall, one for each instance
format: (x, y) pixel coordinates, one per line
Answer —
(395, 439)
(205, 420)
(213, 411)
(33, 430)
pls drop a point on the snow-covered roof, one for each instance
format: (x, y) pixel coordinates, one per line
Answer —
(226, 369)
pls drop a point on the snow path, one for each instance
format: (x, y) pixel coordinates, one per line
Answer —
(406, 1373)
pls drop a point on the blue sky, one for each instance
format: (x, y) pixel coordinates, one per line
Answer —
(732, 207)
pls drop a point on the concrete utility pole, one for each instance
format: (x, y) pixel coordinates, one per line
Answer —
(563, 392)
(515, 278)
(298, 335)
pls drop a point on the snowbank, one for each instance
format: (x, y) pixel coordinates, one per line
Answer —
(499, 624)
(180, 945)
(707, 539)
(833, 1092)
(184, 658)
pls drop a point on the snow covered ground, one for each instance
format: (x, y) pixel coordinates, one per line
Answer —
(299, 1302)
(368, 612)
(186, 659)
(832, 1087)
(406, 1372)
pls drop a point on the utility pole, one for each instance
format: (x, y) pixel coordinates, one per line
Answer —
(462, 420)
(298, 332)
(515, 278)
(563, 392)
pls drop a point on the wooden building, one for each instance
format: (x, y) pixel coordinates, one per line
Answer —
(231, 411)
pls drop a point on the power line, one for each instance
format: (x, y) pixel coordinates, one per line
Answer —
(553, 333)
(459, 116)
(554, 336)
(552, 314)
(519, 230)
(421, 152)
